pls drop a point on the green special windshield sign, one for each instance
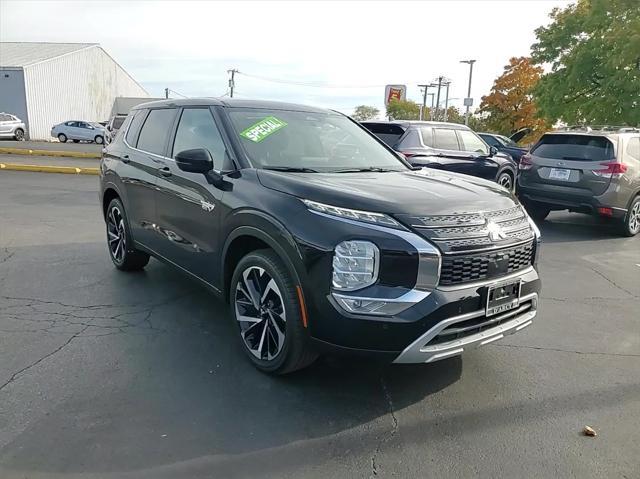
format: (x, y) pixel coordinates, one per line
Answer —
(263, 129)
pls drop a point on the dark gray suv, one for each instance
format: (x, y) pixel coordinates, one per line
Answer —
(586, 170)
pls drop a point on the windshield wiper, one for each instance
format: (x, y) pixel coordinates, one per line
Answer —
(291, 169)
(368, 168)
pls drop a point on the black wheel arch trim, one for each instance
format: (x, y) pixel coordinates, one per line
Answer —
(254, 226)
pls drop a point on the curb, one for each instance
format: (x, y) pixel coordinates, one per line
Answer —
(49, 169)
(70, 154)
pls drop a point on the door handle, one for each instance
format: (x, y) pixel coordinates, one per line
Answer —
(125, 159)
(166, 171)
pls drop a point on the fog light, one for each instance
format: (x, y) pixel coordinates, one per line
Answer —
(361, 306)
(355, 265)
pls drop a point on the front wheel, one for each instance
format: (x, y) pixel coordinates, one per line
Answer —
(99, 139)
(121, 250)
(62, 137)
(267, 312)
(631, 222)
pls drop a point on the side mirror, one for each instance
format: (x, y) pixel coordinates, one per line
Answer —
(493, 151)
(198, 160)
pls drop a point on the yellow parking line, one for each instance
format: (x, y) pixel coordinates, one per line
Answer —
(69, 154)
(50, 169)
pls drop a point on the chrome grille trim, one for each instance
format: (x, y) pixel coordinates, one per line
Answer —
(467, 219)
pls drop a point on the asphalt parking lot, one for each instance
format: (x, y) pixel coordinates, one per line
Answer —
(105, 374)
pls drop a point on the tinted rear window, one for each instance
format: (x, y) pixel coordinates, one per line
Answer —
(387, 132)
(574, 147)
(155, 131)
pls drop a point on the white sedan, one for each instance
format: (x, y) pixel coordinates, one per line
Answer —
(79, 131)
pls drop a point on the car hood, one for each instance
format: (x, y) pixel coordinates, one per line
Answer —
(409, 192)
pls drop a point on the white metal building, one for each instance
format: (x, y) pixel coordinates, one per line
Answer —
(47, 83)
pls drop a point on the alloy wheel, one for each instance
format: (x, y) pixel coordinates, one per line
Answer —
(19, 135)
(260, 313)
(116, 234)
(634, 218)
(505, 181)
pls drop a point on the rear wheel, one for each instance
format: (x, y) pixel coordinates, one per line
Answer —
(62, 137)
(537, 211)
(631, 222)
(121, 250)
(267, 313)
(505, 179)
(19, 134)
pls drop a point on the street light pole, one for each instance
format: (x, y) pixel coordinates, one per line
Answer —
(424, 100)
(446, 103)
(438, 100)
(468, 100)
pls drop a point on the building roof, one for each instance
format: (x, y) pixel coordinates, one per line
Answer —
(22, 54)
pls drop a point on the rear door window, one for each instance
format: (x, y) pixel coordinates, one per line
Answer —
(411, 140)
(574, 148)
(445, 139)
(155, 131)
(387, 132)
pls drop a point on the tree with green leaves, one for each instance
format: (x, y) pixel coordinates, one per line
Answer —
(364, 112)
(404, 110)
(593, 50)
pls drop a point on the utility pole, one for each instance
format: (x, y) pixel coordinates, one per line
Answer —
(232, 82)
(438, 99)
(166, 93)
(432, 95)
(446, 103)
(424, 100)
(468, 101)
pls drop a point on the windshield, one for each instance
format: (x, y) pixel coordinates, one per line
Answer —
(311, 142)
(506, 141)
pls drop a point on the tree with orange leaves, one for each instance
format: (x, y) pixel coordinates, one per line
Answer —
(510, 105)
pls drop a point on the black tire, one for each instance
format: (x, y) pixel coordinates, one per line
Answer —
(99, 139)
(62, 138)
(291, 353)
(537, 211)
(507, 180)
(630, 225)
(125, 257)
(19, 134)
(76, 141)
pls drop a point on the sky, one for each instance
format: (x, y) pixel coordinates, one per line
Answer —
(349, 50)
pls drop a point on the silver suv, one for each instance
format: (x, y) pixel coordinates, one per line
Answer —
(12, 127)
(588, 170)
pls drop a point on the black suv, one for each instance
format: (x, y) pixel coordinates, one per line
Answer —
(446, 146)
(319, 236)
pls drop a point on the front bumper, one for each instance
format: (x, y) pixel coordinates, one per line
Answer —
(427, 349)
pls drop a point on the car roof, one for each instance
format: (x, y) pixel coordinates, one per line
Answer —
(231, 103)
(409, 123)
(603, 133)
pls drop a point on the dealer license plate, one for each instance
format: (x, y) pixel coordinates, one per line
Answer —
(559, 174)
(503, 297)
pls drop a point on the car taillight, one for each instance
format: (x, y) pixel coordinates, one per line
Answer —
(525, 162)
(613, 170)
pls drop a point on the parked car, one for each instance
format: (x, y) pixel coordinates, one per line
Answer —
(12, 127)
(446, 146)
(79, 131)
(504, 145)
(594, 171)
(319, 236)
(114, 125)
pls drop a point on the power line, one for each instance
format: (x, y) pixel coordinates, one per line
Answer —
(312, 84)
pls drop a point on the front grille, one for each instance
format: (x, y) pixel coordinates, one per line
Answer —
(457, 269)
(465, 232)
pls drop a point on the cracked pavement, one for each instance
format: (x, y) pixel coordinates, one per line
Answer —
(106, 374)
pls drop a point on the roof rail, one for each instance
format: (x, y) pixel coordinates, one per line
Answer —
(611, 128)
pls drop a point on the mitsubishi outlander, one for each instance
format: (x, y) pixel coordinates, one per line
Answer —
(319, 236)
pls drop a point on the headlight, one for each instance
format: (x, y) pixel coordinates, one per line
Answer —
(355, 265)
(356, 215)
